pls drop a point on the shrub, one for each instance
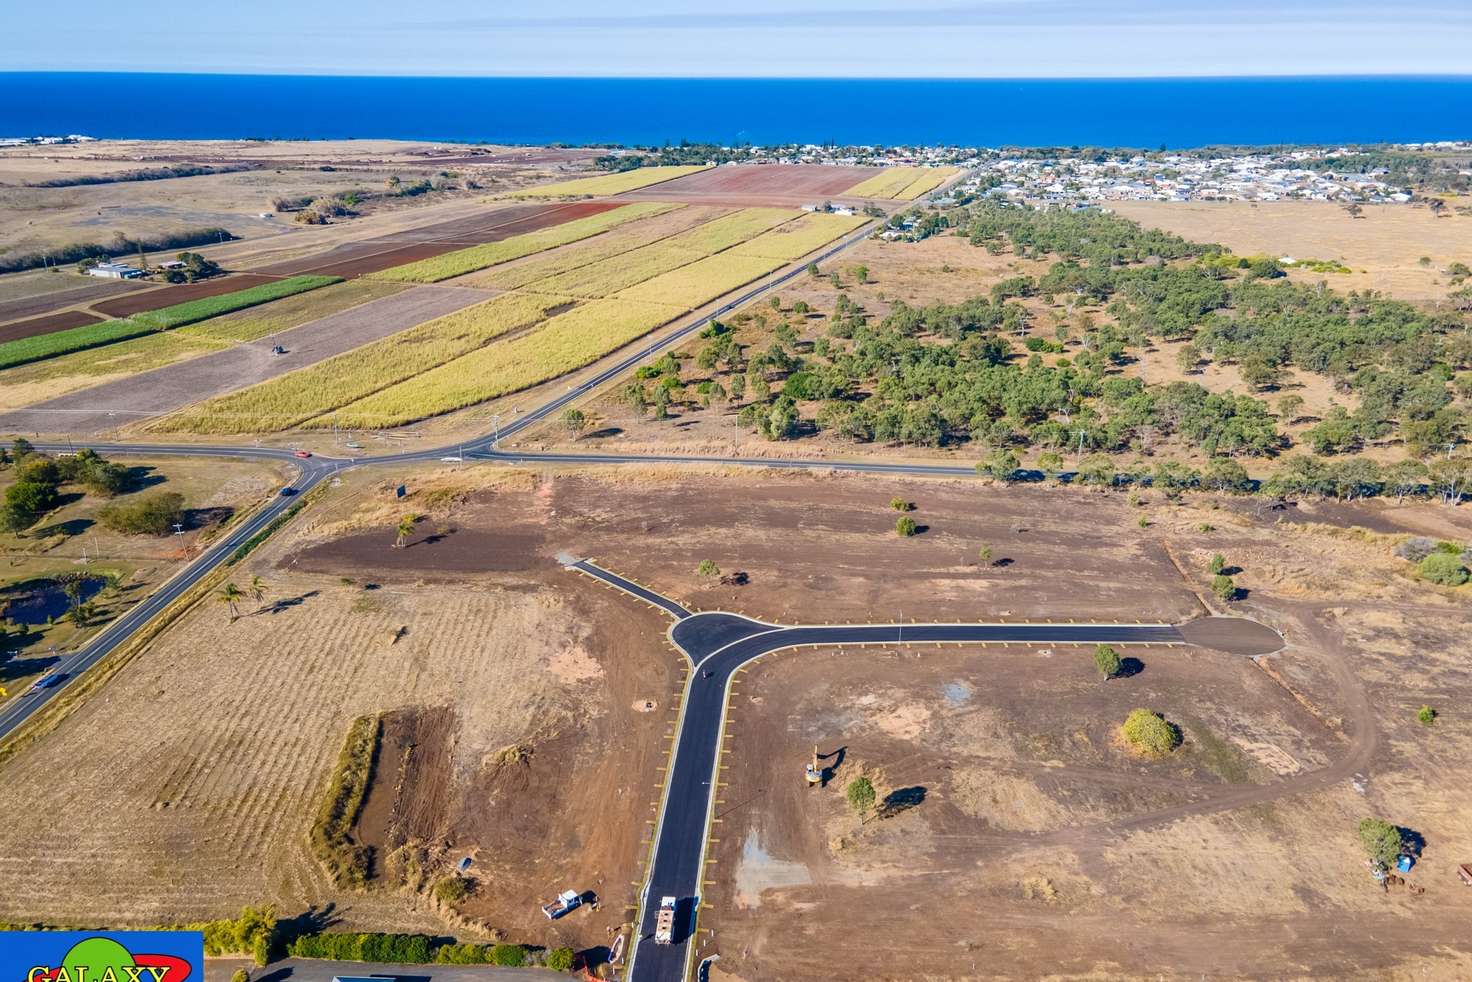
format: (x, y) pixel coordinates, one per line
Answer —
(905, 526)
(1223, 587)
(1149, 733)
(403, 949)
(1415, 548)
(452, 890)
(253, 933)
(1218, 563)
(1381, 840)
(240, 975)
(1443, 568)
(1107, 661)
(860, 794)
(508, 955)
(561, 959)
(900, 504)
(155, 513)
(1426, 715)
(708, 568)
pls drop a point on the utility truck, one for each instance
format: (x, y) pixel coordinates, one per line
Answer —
(566, 901)
(664, 921)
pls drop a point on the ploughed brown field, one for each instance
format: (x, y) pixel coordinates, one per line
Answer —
(785, 179)
(167, 296)
(41, 303)
(46, 324)
(398, 248)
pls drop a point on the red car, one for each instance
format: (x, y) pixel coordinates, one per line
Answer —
(304, 454)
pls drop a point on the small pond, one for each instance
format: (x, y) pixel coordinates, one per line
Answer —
(42, 601)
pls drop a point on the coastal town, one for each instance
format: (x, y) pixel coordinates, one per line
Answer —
(1345, 174)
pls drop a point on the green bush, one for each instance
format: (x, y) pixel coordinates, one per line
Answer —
(1443, 568)
(452, 890)
(1223, 587)
(252, 933)
(155, 513)
(508, 955)
(561, 959)
(905, 526)
(401, 949)
(1107, 661)
(240, 975)
(1426, 715)
(1150, 733)
(1381, 840)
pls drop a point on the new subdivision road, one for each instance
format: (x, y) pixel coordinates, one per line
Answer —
(719, 644)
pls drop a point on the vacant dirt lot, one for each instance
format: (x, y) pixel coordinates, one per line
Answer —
(1011, 807)
(533, 658)
(783, 179)
(1384, 248)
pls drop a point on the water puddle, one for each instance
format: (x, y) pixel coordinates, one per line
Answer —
(957, 693)
(759, 872)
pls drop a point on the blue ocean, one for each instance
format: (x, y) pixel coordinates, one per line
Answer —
(1176, 113)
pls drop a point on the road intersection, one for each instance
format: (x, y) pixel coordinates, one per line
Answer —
(717, 646)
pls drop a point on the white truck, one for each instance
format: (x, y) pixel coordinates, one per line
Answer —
(566, 901)
(664, 921)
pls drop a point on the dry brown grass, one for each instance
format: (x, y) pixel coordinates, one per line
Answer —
(1383, 249)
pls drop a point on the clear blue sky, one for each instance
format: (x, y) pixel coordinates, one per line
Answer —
(993, 38)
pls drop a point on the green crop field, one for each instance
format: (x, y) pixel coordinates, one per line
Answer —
(43, 346)
(605, 184)
(616, 242)
(798, 238)
(564, 344)
(300, 395)
(463, 261)
(197, 310)
(690, 286)
(904, 183)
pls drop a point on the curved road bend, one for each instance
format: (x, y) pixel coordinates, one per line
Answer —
(314, 469)
(717, 645)
(73, 664)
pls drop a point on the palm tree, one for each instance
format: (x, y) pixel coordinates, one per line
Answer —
(406, 529)
(258, 589)
(230, 594)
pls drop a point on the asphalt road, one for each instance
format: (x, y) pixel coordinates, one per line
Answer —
(717, 645)
(314, 469)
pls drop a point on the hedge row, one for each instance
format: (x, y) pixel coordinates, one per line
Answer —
(346, 860)
(405, 949)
